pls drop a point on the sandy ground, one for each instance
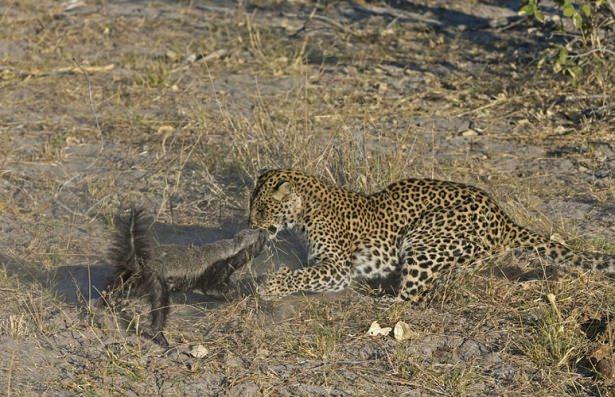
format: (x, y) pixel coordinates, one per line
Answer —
(177, 105)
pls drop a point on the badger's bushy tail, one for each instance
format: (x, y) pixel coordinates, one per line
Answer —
(129, 254)
(131, 246)
(562, 255)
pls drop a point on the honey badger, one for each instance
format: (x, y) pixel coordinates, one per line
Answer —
(156, 270)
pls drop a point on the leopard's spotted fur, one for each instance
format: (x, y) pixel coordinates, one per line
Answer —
(415, 231)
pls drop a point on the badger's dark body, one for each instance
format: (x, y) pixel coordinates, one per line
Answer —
(156, 270)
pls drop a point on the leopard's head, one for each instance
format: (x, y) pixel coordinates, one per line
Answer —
(275, 204)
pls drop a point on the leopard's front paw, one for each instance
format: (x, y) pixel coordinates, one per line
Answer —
(276, 286)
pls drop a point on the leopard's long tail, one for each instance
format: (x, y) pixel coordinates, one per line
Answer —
(562, 255)
(129, 253)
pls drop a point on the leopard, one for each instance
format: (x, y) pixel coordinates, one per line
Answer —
(414, 233)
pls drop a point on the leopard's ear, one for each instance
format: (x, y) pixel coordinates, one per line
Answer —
(282, 190)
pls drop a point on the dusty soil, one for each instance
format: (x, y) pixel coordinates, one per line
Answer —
(177, 104)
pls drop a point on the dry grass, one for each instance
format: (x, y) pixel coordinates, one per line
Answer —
(198, 100)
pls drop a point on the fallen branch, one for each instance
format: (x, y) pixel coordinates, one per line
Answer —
(61, 71)
(393, 12)
(320, 18)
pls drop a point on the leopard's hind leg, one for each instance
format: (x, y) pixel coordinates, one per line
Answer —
(427, 260)
(442, 243)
